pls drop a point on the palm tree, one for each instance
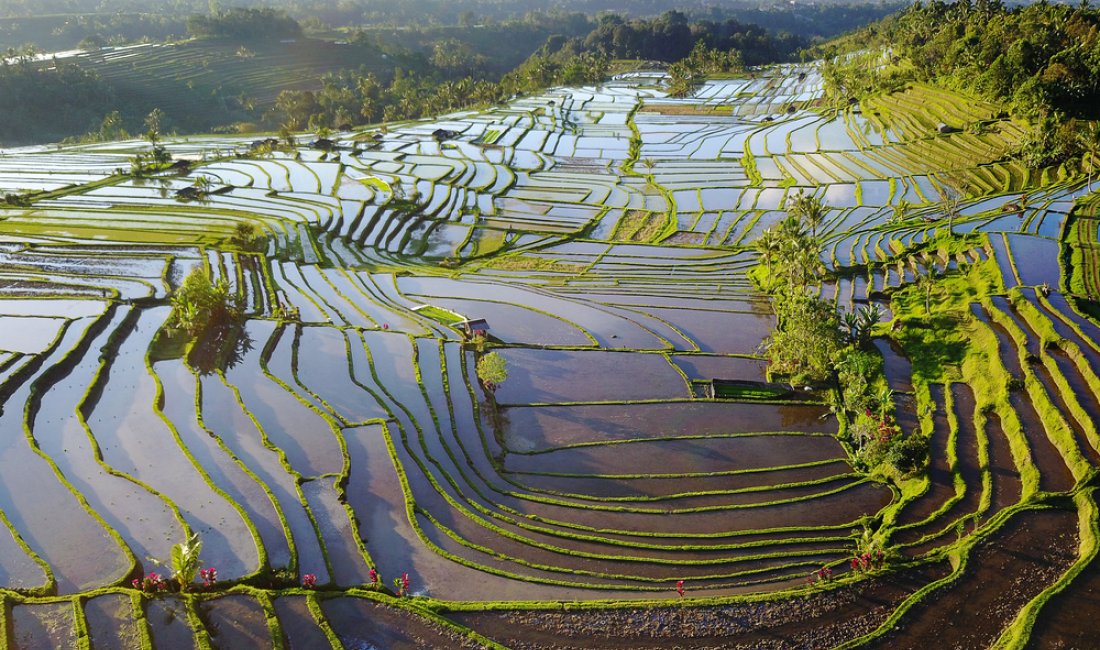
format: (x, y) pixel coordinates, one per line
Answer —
(901, 211)
(809, 209)
(926, 281)
(950, 199)
(768, 245)
(286, 134)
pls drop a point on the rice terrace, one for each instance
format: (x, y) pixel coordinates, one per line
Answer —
(613, 365)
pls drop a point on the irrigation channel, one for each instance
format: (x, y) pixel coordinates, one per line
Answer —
(605, 235)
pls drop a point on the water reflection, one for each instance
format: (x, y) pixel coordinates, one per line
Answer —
(220, 348)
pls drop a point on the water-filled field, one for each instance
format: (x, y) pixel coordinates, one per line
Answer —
(605, 235)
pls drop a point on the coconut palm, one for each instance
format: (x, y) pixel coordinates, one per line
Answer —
(809, 210)
(950, 200)
(901, 211)
(926, 281)
(802, 261)
(768, 245)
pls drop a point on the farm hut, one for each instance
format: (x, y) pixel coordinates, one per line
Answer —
(474, 327)
(189, 193)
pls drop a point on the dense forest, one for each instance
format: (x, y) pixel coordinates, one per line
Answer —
(244, 25)
(220, 80)
(48, 104)
(670, 38)
(55, 25)
(456, 11)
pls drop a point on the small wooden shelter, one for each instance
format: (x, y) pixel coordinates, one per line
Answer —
(474, 327)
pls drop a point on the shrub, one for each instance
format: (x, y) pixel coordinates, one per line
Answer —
(806, 340)
(907, 455)
(200, 304)
(492, 370)
(248, 236)
(185, 562)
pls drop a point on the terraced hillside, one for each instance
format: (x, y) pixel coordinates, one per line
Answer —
(340, 437)
(202, 84)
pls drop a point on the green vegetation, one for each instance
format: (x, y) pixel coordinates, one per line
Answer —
(49, 103)
(706, 47)
(244, 25)
(1036, 61)
(562, 476)
(749, 391)
(201, 306)
(807, 335)
(186, 561)
(492, 370)
(640, 226)
(157, 157)
(806, 339)
(247, 235)
(812, 344)
(251, 69)
(685, 74)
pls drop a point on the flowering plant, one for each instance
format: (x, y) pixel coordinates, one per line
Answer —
(151, 584)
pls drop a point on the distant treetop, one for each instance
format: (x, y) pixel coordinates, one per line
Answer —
(245, 25)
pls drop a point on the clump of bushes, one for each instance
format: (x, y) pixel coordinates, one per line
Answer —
(813, 345)
(872, 431)
(201, 305)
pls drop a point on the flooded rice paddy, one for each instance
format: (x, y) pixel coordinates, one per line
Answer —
(342, 427)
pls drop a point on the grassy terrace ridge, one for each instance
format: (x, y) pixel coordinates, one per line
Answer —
(756, 359)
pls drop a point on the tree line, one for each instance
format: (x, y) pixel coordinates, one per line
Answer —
(818, 20)
(348, 97)
(48, 103)
(355, 97)
(244, 25)
(411, 74)
(672, 37)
